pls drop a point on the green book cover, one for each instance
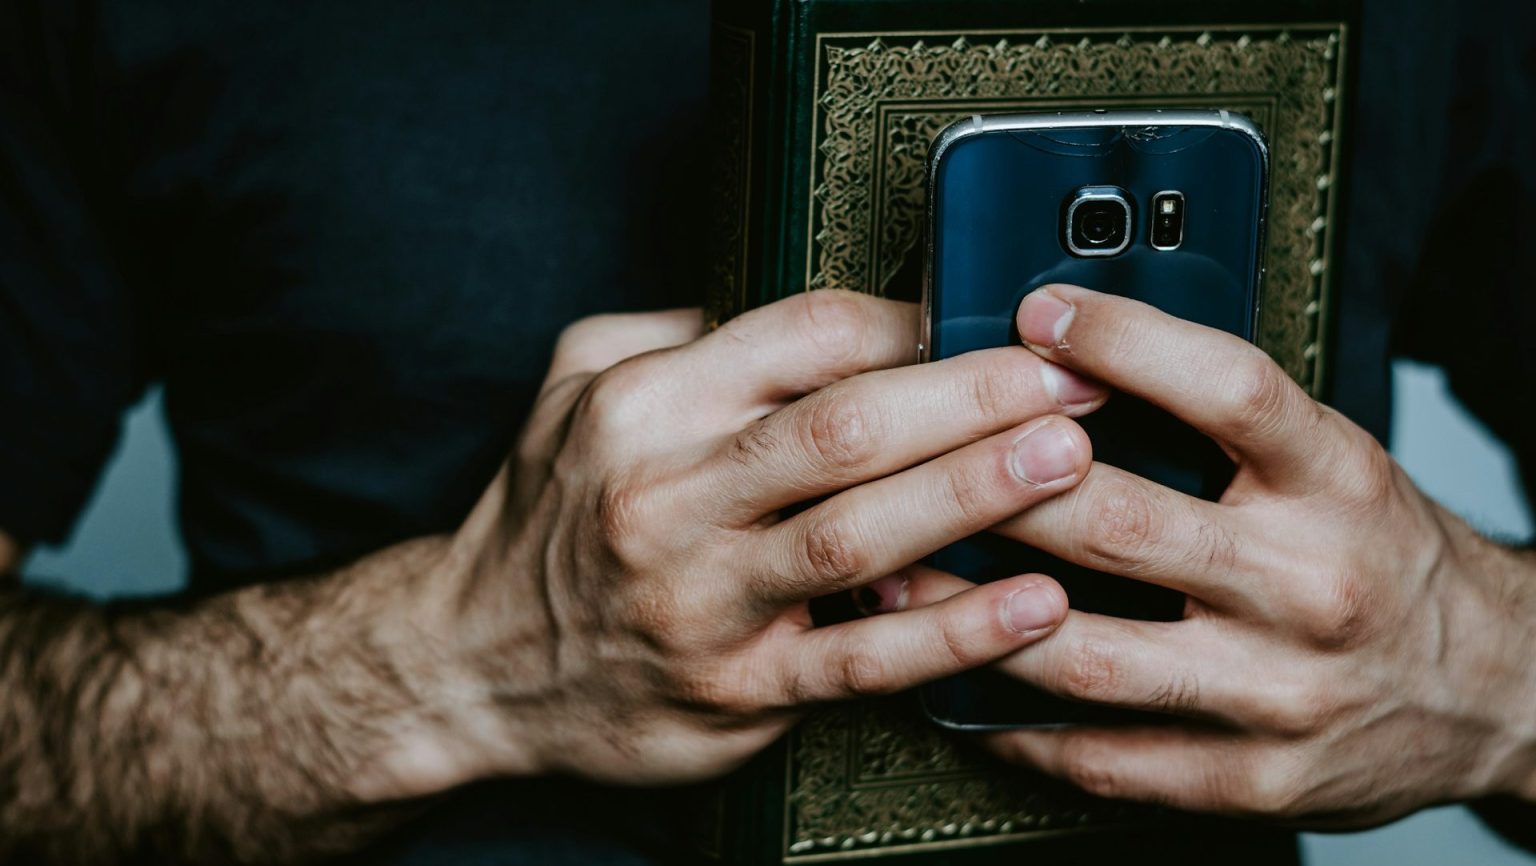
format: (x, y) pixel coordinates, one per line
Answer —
(822, 112)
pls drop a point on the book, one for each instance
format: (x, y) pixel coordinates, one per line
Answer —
(821, 116)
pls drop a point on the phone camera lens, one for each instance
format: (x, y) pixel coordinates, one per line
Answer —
(1099, 222)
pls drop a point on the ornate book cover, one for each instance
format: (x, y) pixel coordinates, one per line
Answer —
(822, 114)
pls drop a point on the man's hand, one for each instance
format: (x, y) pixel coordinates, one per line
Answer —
(1349, 652)
(629, 599)
(625, 603)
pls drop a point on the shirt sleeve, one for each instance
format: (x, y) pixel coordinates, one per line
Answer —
(67, 363)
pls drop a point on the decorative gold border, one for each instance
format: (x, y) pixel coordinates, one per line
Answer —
(822, 772)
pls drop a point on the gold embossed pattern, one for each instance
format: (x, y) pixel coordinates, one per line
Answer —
(875, 778)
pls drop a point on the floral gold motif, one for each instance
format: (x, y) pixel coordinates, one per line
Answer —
(875, 778)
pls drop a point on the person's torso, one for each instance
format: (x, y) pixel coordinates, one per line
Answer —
(355, 233)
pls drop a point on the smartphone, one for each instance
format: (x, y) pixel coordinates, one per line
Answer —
(1166, 207)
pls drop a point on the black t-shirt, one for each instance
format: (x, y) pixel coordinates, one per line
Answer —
(344, 239)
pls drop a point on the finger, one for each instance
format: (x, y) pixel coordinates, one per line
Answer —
(596, 343)
(1157, 667)
(798, 345)
(1152, 667)
(872, 425)
(1216, 382)
(1171, 766)
(1123, 524)
(880, 527)
(897, 651)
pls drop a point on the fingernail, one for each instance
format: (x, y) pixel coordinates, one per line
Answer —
(1031, 609)
(1044, 454)
(1067, 388)
(886, 595)
(1044, 318)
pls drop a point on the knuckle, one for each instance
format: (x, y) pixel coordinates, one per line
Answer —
(1367, 477)
(723, 691)
(838, 433)
(614, 399)
(1298, 710)
(1339, 614)
(1092, 672)
(1260, 393)
(622, 513)
(1119, 336)
(791, 690)
(753, 444)
(972, 502)
(862, 672)
(957, 643)
(1179, 695)
(836, 322)
(1125, 524)
(659, 617)
(1090, 767)
(833, 554)
(993, 386)
(1272, 789)
(1217, 548)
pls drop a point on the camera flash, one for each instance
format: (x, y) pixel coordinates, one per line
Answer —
(1167, 220)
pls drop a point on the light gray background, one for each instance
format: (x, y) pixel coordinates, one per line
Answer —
(126, 544)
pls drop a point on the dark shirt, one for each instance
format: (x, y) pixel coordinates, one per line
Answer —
(343, 240)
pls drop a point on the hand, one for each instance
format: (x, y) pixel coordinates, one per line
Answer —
(631, 605)
(1349, 651)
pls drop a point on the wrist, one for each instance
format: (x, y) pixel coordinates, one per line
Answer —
(1503, 625)
(1519, 599)
(452, 650)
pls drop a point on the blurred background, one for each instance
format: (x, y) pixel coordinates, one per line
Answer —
(126, 545)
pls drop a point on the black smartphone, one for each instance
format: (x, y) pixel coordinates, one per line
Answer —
(1163, 206)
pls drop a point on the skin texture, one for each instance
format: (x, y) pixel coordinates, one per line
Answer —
(627, 602)
(1350, 651)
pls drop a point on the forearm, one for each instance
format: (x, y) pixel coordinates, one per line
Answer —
(1498, 629)
(1512, 812)
(254, 726)
(1524, 785)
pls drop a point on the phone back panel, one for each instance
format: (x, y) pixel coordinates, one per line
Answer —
(998, 201)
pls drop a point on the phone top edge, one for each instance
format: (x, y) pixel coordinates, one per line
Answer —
(977, 124)
(980, 123)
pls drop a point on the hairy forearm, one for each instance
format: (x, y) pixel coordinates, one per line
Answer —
(1512, 594)
(256, 726)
